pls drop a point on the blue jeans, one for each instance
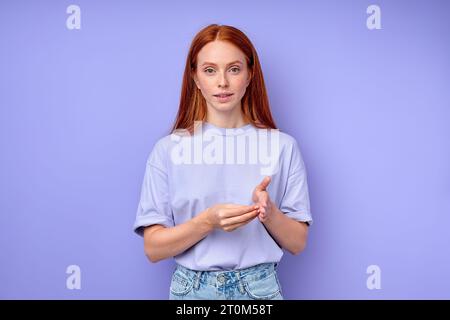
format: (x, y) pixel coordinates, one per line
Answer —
(259, 282)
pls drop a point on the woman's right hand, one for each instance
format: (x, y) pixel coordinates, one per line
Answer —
(229, 216)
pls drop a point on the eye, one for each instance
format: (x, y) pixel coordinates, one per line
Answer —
(207, 70)
(237, 69)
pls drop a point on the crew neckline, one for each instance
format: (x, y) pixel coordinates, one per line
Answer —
(227, 131)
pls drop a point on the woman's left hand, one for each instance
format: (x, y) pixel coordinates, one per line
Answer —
(261, 198)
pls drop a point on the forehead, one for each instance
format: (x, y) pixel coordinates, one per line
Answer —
(220, 52)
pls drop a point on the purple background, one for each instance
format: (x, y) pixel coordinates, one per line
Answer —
(81, 110)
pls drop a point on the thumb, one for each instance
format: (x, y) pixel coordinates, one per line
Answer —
(263, 185)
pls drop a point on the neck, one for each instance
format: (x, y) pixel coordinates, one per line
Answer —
(227, 119)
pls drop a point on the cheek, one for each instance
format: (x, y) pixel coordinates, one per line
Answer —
(206, 85)
(240, 84)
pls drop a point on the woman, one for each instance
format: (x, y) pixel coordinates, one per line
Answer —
(212, 197)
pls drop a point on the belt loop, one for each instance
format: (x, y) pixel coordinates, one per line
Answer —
(197, 279)
(241, 284)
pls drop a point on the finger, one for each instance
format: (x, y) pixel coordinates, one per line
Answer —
(234, 227)
(241, 218)
(232, 205)
(263, 199)
(262, 204)
(240, 224)
(263, 185)
(232, 212)
(262, 212)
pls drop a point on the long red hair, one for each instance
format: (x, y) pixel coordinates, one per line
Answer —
(254, 103)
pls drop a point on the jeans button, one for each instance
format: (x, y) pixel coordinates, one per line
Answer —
(221, 278)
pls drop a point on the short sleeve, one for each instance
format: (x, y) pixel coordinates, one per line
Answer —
(154, 205)
(295, 201)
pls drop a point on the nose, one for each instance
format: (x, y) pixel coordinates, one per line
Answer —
(223, 80)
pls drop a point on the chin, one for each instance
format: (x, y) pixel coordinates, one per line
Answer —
(230, 105)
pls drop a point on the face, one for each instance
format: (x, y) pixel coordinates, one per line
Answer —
(222, 69)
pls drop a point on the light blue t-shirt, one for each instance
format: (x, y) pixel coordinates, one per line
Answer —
(185, 174)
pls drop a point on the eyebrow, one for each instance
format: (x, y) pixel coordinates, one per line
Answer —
(211, 63)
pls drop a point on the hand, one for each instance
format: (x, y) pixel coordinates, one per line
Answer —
(229, 217)
(261, 198)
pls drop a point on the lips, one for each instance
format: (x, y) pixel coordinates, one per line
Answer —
(223, 95)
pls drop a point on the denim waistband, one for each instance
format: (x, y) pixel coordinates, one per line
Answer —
(254, 273)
